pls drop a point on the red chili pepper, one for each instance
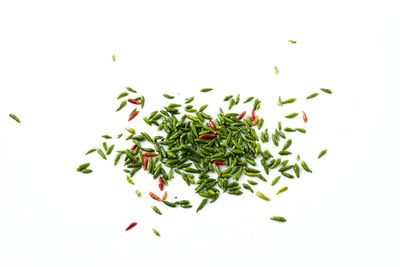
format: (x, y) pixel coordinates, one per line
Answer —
(132, 162)
(155, 197)
(305, 117)
(134, 147)
(164, 196)
(131, 226)
(207, 136)
(145, 161)
(134, 114)
(134, 101)
(253, 115)
(149, 154)
(161, 183)
(241, 115)
(219, 162)
(212, 125)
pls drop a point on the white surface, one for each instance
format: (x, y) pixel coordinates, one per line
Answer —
(57, 75)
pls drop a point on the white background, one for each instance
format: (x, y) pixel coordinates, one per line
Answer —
(57, 75)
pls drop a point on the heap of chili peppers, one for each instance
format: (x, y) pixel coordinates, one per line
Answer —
(196, 145)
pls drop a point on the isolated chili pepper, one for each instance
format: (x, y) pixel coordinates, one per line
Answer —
(305, 117)
(155, 197)
(149, 154)
(219, 162)
(134, 114)
(131, 226)
(212, 125)
(253, 114)
(145, 161)
(161, 183)
(207, 136)
(241, 115)
(134, 101)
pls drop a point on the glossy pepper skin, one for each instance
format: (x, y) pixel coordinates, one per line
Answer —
(149, 154)
(241, 115)
(131, 226)
(155, 197)
(219, 162)
(212, 125)
(133, 101)
(164, 196)
(253, 115)
(134, 114)
(161, 184)
(305, 119)
(207, 136)
(145, 161)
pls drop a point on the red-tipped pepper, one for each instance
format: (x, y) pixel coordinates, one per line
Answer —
(212, 125)
(134, 114)
(134, 147)
(145, 161)
(253, 115)
(161, 183)
(155, 197)
(207, 136)
(131, 226)
(219, 162)
(241, 115)
(134, 101)
(305, 117)
(149, 154)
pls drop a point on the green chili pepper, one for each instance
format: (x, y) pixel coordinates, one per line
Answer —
(156, 210)
(83, 166)
(278, 218)
(262, 196)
